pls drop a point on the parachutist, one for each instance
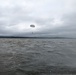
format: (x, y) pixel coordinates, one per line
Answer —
(33, 26)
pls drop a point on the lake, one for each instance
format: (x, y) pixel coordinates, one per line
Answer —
(37, 56)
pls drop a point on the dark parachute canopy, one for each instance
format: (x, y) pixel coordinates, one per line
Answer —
(32, 25)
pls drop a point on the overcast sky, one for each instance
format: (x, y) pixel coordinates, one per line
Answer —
(50, 17)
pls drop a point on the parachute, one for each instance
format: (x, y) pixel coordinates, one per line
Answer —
(32, 25)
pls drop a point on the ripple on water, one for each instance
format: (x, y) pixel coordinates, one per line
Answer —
(37, 57)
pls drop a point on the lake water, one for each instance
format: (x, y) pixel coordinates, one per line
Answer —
(37, 56)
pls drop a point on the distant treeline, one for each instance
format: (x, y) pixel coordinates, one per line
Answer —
(35, 37)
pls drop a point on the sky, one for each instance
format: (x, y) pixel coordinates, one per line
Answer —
(50, 17)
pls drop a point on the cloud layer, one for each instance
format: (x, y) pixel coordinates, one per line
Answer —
(52, 17)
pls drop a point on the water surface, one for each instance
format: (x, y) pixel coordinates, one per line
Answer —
(37, 56)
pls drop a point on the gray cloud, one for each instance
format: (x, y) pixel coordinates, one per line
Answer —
(55, 17)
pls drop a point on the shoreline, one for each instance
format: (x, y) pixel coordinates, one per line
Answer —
(39, 37)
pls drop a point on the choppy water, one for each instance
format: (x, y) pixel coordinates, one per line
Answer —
(37, 56)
